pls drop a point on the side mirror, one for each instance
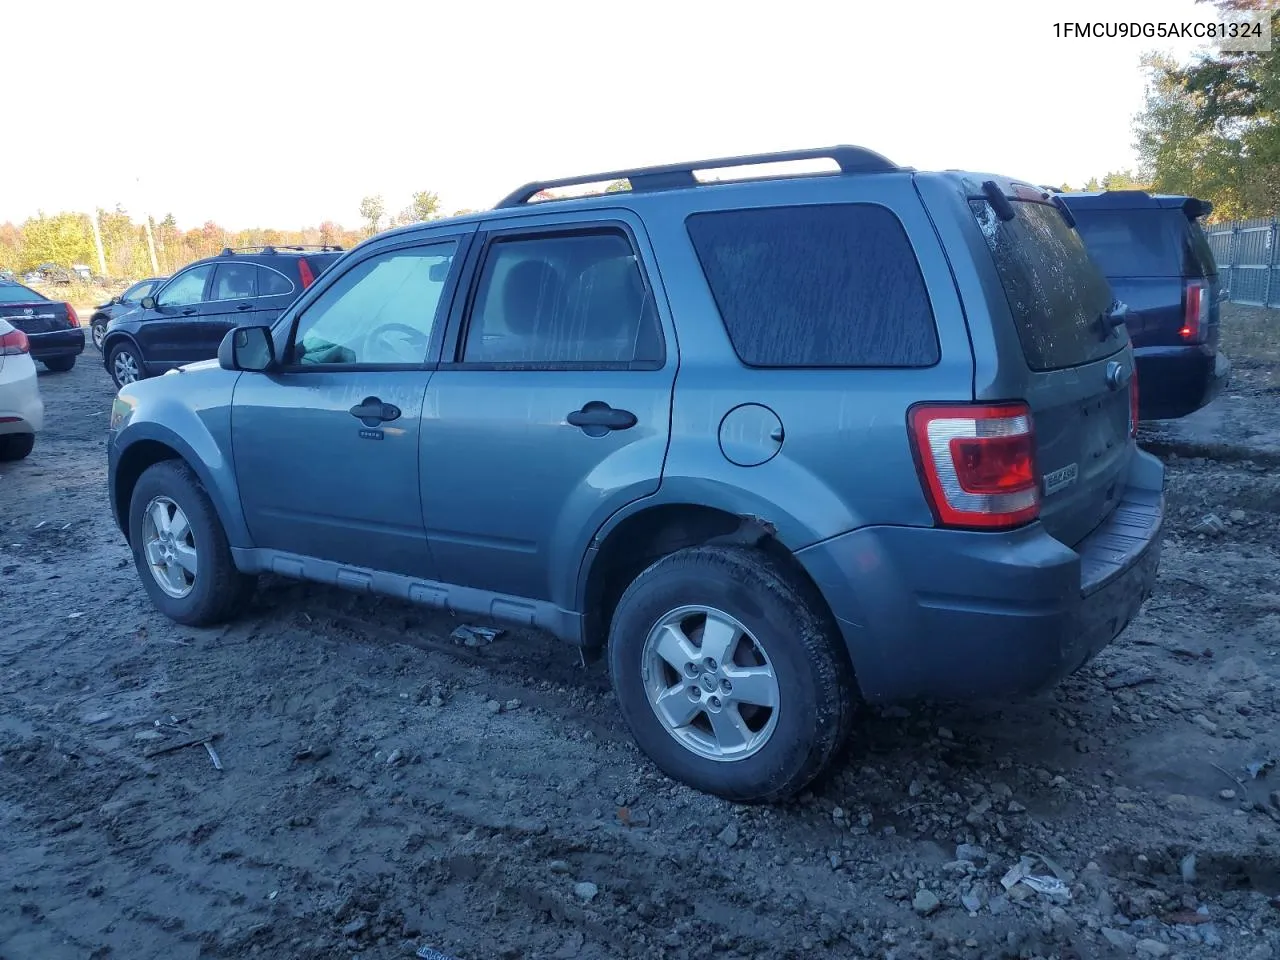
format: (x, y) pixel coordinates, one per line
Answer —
(148, 303)
(247, 348)
(115, 300)
(439, 272)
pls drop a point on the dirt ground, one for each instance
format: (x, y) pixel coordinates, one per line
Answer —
(386, 789)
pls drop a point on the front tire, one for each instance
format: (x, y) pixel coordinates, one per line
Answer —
(60, 364)
(16, 446)
(180, 549)
(125, 365)
(730, 674)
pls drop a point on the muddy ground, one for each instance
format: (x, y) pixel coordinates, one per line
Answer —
(386, 789)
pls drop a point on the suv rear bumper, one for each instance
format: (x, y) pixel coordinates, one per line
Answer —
(1176, 381)
(959, 615)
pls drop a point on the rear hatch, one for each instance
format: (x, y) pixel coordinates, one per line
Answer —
(30, 312)
(1154, 257)
(1077, 359)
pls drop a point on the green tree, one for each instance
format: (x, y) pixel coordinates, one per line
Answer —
(618, 186)
(1122, 180)
(64, 239)
(1212, 127)
(371, 209)
(425, 205)
(1092, 185)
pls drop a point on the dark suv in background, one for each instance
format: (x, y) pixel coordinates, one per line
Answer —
(185, 319)
(1158, 261)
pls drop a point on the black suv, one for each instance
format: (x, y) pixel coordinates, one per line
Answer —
(1158, 262)
(185, 319)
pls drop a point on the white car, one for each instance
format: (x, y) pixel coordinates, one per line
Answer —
(21, 409)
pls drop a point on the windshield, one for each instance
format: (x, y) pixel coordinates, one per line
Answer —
(1056, 293)
(17, 293)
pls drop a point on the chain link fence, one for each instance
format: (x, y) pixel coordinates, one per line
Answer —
(1247, 260)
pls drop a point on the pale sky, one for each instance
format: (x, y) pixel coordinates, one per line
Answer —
(285, 114)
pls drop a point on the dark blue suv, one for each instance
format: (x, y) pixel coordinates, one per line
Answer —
(1159, 264)
(769, 445)
(184, 318)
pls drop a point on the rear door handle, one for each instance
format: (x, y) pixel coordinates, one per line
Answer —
(244, 306)
(598, 418)
(371, 411)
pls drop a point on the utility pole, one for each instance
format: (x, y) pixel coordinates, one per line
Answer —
(151, 243)
(97, 244)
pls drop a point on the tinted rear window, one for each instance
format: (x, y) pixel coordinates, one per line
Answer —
(1056, 293)
(817, 286)
(1146, 243)
(16, 293)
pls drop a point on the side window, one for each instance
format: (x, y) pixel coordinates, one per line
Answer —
(272, 284)
(381, 311)
(186, 288)
(235, 281)
(817, 286)
(565, 298)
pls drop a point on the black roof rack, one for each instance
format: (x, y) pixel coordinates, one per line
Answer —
(271, 249)
(672, 176)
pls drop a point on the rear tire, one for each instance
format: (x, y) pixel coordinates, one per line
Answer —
(124, 364)
(97, 331)
(180, 549)
(60, 364)
(16, 446)
(710, 724)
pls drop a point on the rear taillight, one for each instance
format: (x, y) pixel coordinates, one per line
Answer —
(305, 273)
(1133, 403)
(977, 463)
(72, 316)
(1195, 315)
(13, 343)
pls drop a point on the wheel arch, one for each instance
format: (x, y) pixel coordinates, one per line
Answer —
(630, 542)
(152, 444)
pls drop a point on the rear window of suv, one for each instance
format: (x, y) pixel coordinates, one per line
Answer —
(1146, 243)
(1056, 293)
(817, 286)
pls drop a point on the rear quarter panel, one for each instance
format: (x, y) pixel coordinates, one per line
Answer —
(846, 459)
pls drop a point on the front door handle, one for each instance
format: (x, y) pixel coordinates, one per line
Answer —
(244, 306)
(597, 418)
(371, 411)
(189, 311)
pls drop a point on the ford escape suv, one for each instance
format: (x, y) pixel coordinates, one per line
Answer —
(771, 444)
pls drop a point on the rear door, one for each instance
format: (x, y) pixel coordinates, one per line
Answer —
(276, 291)
(554, 409)
(1078, 364)
(233, 301)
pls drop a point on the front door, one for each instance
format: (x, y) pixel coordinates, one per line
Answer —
(554, 412)
(326, 446)
(170, 332)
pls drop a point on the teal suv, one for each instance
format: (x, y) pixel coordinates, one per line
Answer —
(771, 444)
